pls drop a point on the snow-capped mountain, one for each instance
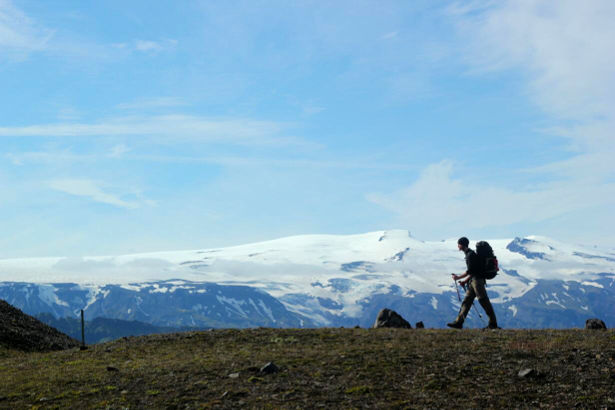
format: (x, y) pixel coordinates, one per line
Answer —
(319, 280)
(166, 303)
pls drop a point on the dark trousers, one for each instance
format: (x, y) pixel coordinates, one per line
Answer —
(476, 289)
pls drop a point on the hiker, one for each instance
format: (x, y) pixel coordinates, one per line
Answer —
(475, 288)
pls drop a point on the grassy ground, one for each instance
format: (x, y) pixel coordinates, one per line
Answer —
(382, 368)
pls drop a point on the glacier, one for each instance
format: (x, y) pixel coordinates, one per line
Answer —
(325, 280)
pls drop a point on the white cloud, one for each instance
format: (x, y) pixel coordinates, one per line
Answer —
(439, 203)
(391, 35)
(564, 47)
(147, 46)
(144, 45)
(92, 190)
(175, 127)
(47, 157)
(564, 51)
(155, 46)
(157, 102)
(19, 34)
(118, 151)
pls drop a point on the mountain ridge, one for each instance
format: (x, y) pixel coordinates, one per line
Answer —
(322, 280)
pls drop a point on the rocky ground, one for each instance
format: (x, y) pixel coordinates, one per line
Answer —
(321, 368)
(23, 332)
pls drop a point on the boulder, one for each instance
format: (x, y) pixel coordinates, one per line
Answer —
(390, 318)
(419, 325)
(595, 324)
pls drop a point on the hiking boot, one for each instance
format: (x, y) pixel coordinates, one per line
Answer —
(491, 326)
(455, 325)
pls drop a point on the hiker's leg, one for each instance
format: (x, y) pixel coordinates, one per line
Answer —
(466, 305)
(483, 299)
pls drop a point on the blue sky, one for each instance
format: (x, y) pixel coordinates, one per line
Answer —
(144, 126)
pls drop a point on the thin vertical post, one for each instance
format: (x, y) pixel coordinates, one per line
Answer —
(82, 331)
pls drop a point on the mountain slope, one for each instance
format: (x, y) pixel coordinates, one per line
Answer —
(166, 303)
(103, 330)
(23, 332)
(319, 280)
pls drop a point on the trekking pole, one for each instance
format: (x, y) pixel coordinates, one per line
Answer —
(479, 315)
(457, 288)
(473, 304)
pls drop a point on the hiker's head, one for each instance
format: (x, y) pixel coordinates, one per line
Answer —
(463, 243)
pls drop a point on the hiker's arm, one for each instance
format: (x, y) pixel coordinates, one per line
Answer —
(457, 277)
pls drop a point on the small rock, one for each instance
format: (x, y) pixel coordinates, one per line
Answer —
(269, 368)
(527, 373)
(234, 375)
(595, 324)
(419, 325)
(357, 327)
(390, 318)
(112, 369)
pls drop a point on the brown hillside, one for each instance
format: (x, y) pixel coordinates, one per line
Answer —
(23, 332)
(322, 368)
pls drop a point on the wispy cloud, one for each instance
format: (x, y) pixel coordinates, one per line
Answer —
(439, 202)
(565, 50)
(126, 154)
(118, 151)
(19, 34)
(390, 35)
(94, 191)
(148, 46)
(157, 102)
(22, 158)
(66, 156)
(175, 127)
(566, 55)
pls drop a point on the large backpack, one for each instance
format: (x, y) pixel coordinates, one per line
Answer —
(486, 260)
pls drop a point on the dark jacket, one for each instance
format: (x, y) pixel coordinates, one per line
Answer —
(472, 262)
